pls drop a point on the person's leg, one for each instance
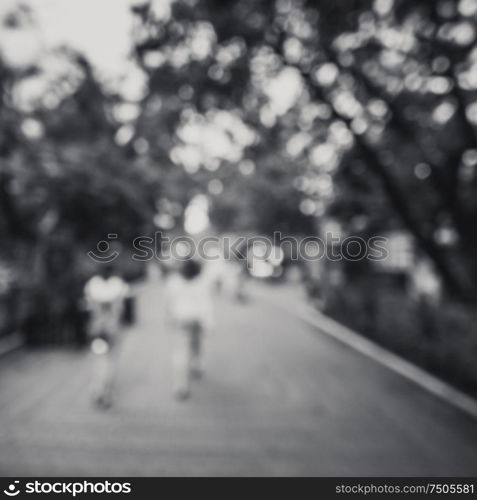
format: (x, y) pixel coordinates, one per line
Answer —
(196, 349)
(240, 294)
(103, 372)
(181, 363)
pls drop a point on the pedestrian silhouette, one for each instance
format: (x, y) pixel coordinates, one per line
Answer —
(105, 293)
(190, 315)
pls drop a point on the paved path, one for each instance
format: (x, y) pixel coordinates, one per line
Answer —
(279, 398)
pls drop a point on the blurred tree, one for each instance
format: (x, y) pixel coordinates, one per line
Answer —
(65, 182)
(372, 102)
(201, 114)
(284, 112)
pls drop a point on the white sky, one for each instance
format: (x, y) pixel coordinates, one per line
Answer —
(101, 29)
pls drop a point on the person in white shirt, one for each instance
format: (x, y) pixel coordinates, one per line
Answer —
(105, 293)
(189, 311)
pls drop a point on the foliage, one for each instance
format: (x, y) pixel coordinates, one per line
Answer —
(383, 116)
(285, 113)
(440, 339)
(65, 184)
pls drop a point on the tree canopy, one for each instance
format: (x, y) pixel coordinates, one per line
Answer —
(366, 108)
(285, 114)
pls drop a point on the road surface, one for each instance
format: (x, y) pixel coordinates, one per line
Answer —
(279, 398)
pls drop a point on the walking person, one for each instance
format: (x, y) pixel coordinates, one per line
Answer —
(189, 311)
(105, 293)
